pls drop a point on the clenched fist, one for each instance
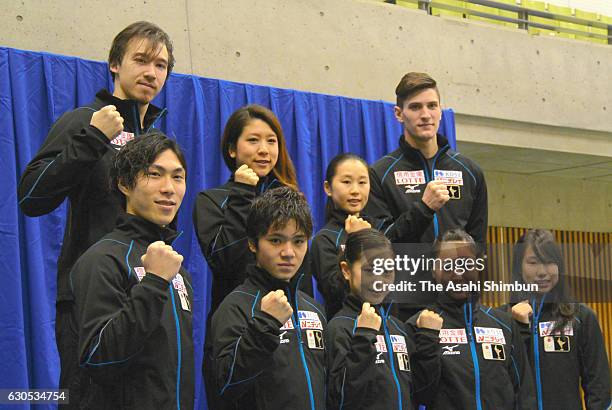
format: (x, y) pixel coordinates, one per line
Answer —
(368, 317)
(108, 121)
(353, 223)
(162, 260)
(276, 305)
(435, 195)
(429, 320)
(246, 175)
(521, 312)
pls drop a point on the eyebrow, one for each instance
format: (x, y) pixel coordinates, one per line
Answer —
(160, 168)
(151, 56)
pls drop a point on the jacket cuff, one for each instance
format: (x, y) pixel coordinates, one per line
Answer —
(99, 135)
(424, 209)
(155, 281)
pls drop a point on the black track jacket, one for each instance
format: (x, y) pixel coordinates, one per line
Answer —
(74, 162)
(365, 373)
(261, 363)
(135, 329)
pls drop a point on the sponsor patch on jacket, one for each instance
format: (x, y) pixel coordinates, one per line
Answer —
(453, 336)
(309, 320)
(409, 177)
(315, 339)
(546, 329)
(399, 343)
(403, 361)
(179, 285)
(380, 345)
(491, 351)
(449, 177)
(454, 191)
(122, 139)
(283, 337)
(288, 325)
(557, 344)
(140, 272)
(489, 335)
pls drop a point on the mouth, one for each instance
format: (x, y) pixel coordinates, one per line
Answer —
(354, 202)
(151, 86)
(166, 204)
(542, 283)
(262, 162)
(286, 266)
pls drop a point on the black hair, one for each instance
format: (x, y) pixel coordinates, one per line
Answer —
(330, 173)
(457, 235)
(274, 209)
(142, 30)
(547, 250)
(356, 244)
(135, 158)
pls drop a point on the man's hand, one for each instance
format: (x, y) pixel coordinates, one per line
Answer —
(108, 121)
(162, 260)
(246, 175)
(368, 317)
(429, 320)
(435, 195)
(353, 223)
(276, 305)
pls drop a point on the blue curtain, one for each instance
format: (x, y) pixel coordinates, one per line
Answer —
(36, 88)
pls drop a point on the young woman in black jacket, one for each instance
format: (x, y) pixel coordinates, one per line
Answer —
(564, 340)
(372, 363)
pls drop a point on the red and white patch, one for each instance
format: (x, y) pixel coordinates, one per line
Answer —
(122, 139)
(288, 325)
(140, 272)
(546, 329)
(399, 344)
(409, 177)
(381, 346)
(453, 336)
(309, 320)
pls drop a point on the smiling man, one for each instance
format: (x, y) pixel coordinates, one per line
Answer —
(132, 298)
(74, 160)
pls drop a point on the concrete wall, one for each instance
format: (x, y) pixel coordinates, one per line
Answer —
(507, 87)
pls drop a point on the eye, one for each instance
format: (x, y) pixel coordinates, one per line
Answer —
(275, 241)
(253, 140)
(299, 241)
(139, 60)
(272, 141)
(433, 106)
(179, 177)
(154, 174)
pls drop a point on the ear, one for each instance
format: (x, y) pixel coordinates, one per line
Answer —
(346, 272)
(114, 68)
(123, 189)
(327, 188)
(252, 246)
(397, 111)
(232, 152)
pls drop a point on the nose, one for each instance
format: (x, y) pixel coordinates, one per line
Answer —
(149, 72)
(353, 189)
(288, 251)
(262, 148)
(167, 186)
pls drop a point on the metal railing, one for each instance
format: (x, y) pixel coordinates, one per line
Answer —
(522, 19)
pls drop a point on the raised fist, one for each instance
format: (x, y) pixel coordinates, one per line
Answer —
(521, 312)
(162, 260)
(276, 305)
(108, 121)
(368, 317)
(435, 195)
(246, 175)
(353, 223)
(429, 320)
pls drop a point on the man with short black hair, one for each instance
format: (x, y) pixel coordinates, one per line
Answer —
(133, 300)
(74, 160)
(269, 336)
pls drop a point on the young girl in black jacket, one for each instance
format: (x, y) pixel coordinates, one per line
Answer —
(372, 363)
(565, 344)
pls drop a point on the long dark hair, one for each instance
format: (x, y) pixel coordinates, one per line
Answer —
(283, 170)
(547, 250)
(330, 173)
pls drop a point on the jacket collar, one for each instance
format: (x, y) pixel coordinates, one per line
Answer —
(355, 304)
(140, 229)
(129, 110)
(411, 152)
(262, 280)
